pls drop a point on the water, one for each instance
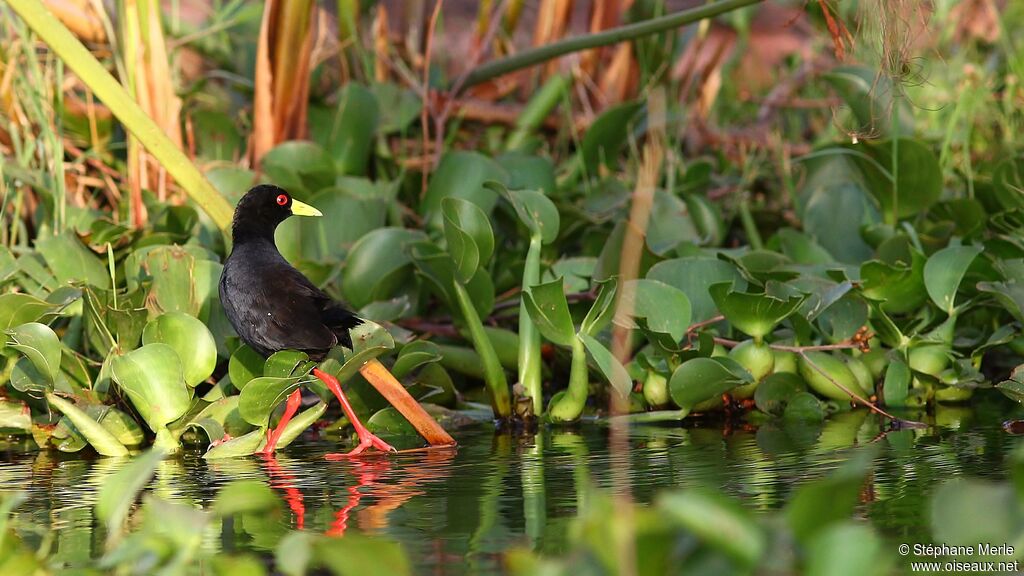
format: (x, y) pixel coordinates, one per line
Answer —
(459, 510)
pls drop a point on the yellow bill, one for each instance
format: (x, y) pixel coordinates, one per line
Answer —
(303, 209)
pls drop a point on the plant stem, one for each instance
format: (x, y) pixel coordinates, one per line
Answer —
(540, 54)
(749, 226)
(570, 406)
(494, 374)
(123, 106)
(537, 109)
(529, 337)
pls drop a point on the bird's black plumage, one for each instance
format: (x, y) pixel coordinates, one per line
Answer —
(271, 305)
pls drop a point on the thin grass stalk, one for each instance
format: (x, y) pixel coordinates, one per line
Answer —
(541, 54)
(529, 336)
(123, 106)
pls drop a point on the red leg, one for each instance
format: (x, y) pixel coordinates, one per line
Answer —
(366, 438)
(273, 436)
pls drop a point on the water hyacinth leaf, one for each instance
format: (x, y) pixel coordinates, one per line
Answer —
(369, 340)
(819, 504)
(700, 379)
(753, 314)
(535, 210)
(119, 491)
(665, 308)
(356, 555)
(461, 175)
(261, 395)
(719, 521)
(17, 308)
(398, 106)
(607, 136)
(871, 98)
(609, 365)
(287, 363)
(549, 311)
(98, 437)
(152, 378)
(918, 183)
(351, 210)
(1010, 296)
(1012, 389)
(847, 549)
(347, 133)
(40, 345)
(944, 271)
(965, 512)
(244, 365)
(300, 167)
(834, 214)
(171, 270)
(469, 235)
(239, 446)
(776, 391)
(378, 265)
(297, 425)
(528, 172)
(390, 425)
(243, 497)
(694, 276)
(897, 383)
(190, 338)
(414, 355)
(801, 248)
(72, 261)
(602, 309)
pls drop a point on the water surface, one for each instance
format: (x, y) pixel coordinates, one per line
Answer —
(457, 511)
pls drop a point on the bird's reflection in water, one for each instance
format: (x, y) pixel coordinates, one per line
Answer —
(385, 483)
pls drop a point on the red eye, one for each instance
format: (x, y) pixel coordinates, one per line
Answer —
(282, 199)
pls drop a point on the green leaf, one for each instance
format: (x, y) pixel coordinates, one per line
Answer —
(394, 429)
(965, 512)
(287, 363)
(901, 289)
(152, 378)
(119, 492)
(602, 309)
(190, 338)
(918, 182)
(261, 395)
(245, 364)
(897, 383)
(549, 311)
(378, 265)
(694, 276)
(17, 309)
(469, 236)
(72, 261)
(776, 391)
(535, 210)
(944, 271)
(238, 446)
(1012, 389)
(414, 355)
(356, 555)
(352, 209)
(720, 522)
(609, 365)
(871, 98)
(347, 133)
(40, 345)
(756, 315)
(821, 503)
(835, 211)
(245, 497)
(665, 308)
(300, 167)
(848, 549)
(14, 415)
(607, 136)
(300, 423)
(97, 436)
(461, 175)
(700, 379)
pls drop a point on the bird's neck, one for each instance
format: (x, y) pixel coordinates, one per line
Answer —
(253, 234)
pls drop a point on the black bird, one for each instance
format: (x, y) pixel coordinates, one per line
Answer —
(273, 307)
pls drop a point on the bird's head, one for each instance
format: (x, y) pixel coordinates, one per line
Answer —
(264, 207)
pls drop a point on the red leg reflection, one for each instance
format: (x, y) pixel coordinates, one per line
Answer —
(366, 474)
(282, 480)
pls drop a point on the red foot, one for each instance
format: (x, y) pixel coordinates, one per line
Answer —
(366, 438)
(226, 438)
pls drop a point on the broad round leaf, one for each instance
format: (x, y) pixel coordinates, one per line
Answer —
(901, 289)
(944, 271)
(699, 379)
(469, 235)
(665, 308)
(378, 265)
(550, 312)
(245, 364)
(535, 210)
(694, 276)
(40, 345)
(261, 395)
(190, 339)
(753, 314)
(152, 378)
(461, 175)
(610, 367)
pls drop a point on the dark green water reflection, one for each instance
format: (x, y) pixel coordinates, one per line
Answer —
(458, 511)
